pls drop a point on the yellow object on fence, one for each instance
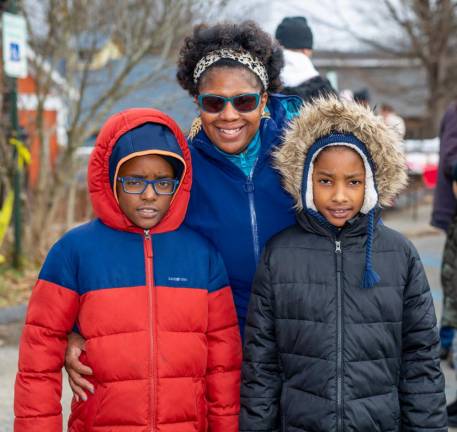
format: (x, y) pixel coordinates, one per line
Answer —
(5, 217)
(23, 153)
(6, 211)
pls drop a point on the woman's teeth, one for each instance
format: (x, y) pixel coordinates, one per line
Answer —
(230, 131)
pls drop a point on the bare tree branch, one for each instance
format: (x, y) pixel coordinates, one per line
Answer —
(427, 30)
(69, 37)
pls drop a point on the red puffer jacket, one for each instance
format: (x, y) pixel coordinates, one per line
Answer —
(154, 306)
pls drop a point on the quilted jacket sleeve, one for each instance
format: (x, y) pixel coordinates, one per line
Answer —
(421, 390)
(51, 314)
(448, 138)
(261, 381)
(224, 353)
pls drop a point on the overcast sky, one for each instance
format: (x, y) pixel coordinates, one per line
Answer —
(329, 19)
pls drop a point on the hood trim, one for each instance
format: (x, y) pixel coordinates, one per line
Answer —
(326, 115)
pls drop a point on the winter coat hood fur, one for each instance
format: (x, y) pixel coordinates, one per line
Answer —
(329, 115)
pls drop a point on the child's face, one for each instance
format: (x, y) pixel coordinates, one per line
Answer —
(148, 208)
(338, 184)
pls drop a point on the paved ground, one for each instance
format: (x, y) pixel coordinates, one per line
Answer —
(8, 367)
(428, 241)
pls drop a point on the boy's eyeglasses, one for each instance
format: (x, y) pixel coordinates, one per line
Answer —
(243, 103)
(135, 185)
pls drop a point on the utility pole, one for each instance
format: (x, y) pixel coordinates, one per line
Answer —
(17, 262)
(17, 213)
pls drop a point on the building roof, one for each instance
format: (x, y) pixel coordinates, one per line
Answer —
(163, 93)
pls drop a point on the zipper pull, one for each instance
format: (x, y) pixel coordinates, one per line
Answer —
(249, 186)
(148, 243)
(337, 246)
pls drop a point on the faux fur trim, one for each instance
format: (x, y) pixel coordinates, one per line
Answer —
(322, 116)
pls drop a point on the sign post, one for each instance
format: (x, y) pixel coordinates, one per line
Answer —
(14, 45)
(15, 66)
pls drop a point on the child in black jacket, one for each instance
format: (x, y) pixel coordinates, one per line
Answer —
(341, 332)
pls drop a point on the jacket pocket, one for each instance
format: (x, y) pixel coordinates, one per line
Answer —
(396, 407)
(93, 405)
(83, 414)
(282, 408)
(201, 406)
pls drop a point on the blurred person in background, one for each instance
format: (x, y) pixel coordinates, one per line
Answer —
(443, 217)
(299, 76)
(392, 119)
(347, 94)
(362, 97)
(449, 284)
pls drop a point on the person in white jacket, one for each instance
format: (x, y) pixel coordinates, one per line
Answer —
(299, 76)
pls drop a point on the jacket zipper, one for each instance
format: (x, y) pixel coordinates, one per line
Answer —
(339, 348)
(249, 189)
(150, 284)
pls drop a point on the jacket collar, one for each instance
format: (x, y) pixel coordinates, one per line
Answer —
(354, 228)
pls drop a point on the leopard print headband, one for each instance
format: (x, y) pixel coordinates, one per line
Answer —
(243, 57)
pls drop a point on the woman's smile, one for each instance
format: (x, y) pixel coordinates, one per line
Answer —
(231, 130)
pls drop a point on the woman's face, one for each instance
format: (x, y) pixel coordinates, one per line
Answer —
(230, 130)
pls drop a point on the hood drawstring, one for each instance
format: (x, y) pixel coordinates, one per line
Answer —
(370, 277)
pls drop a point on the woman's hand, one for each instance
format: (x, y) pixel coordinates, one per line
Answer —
(75, 369)
(454, 188)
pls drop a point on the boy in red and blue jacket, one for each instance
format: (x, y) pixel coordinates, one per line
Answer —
(150, 296)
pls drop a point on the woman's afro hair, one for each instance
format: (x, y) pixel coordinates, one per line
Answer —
(246, 36)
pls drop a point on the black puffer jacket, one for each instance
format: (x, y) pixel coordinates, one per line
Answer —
(323, 354)
(311, 89)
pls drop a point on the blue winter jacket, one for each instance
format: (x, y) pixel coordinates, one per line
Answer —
(239, 213)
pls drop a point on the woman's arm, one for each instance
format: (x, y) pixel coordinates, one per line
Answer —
(75, 369)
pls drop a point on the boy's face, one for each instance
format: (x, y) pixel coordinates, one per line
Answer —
(338, 184)
(145, 210)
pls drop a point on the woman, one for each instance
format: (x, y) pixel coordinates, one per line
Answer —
(238, 201)
(232, 71)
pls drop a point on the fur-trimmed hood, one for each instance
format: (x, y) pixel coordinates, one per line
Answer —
(328, 115)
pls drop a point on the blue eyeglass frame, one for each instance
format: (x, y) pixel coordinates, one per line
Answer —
(147, 183)
(227, 99)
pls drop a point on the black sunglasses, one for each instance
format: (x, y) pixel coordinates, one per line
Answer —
(215, 104)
